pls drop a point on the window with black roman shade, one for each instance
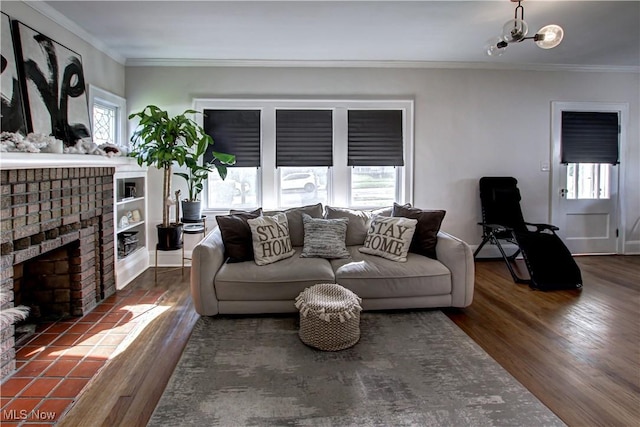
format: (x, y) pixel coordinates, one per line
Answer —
(589, 137)
(375, 138)
(304, 138)
(234, 132)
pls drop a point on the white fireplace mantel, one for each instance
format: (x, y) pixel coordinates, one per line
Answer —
(44, 160)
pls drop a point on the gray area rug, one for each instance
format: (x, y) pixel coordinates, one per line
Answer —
(409, 369)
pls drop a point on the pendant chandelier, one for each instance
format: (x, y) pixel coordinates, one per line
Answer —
(515, 30)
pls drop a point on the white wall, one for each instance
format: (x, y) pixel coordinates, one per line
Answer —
(99, 69)
(468, 123)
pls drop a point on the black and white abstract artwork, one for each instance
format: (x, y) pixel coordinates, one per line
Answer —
(55, 91)
(13, 119)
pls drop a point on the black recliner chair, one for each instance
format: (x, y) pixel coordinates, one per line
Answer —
(548, 260)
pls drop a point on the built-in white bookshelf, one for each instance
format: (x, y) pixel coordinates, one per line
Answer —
(130, 214)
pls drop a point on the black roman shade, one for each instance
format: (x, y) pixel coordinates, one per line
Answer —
(375, 138)
(235, 132)
(304, 138)
(589, 137)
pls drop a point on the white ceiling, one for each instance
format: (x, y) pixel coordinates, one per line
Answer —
(598, 34)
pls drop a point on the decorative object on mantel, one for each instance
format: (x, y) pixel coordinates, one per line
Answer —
(515, 30)
(87, 146)
(39, 143)
(32, 143)
(161, 141)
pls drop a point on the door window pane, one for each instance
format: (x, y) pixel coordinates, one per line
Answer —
(588, 181)
(373, 185)
(237, 191)
(303, 185)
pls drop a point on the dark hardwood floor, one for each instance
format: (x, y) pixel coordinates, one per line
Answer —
(577, 351)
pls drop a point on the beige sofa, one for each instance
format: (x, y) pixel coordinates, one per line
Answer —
(242, 288)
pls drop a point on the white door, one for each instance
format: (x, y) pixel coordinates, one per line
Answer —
(587, 207)
(584, 199)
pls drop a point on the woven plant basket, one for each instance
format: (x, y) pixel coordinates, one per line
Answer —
(329, 317)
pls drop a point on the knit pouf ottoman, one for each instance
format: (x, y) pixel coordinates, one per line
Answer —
(329, 317)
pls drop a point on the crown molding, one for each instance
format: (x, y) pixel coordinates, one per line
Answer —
(187, 62)
(68, 24)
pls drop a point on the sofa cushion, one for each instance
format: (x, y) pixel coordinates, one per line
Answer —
(270, 236)
(425, 237)
(359, 221)
(236, 235)
(389, 237)
(370, 276)
(294, 216)
(324, 238)
(356, 227)
(283, 280)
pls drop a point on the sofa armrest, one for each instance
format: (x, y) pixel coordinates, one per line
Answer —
(206, 259)
(456, 255)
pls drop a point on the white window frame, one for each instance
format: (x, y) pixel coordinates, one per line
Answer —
(339, 173)
(103, 97)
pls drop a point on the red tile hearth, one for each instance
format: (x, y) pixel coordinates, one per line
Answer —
(56, 363)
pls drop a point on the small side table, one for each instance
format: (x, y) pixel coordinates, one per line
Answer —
(193, 227)
(198, 226)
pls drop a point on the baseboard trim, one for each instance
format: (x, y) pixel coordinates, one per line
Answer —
(631, 247)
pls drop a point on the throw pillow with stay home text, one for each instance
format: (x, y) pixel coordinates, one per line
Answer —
(389, 237)
(270, 238)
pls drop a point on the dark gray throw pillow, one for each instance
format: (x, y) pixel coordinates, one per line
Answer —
(324, 238)
(294, 216)
(359, 221)
(296, 227)
(236, 235)
(425, 237)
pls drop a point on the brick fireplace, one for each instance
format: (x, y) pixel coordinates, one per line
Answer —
(57, 244)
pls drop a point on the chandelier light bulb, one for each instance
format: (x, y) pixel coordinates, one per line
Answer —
(549, 36)
(495, 46)
(514, 30)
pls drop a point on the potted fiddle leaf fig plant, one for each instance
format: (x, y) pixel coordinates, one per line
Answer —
(161, 140)
(197, 173)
